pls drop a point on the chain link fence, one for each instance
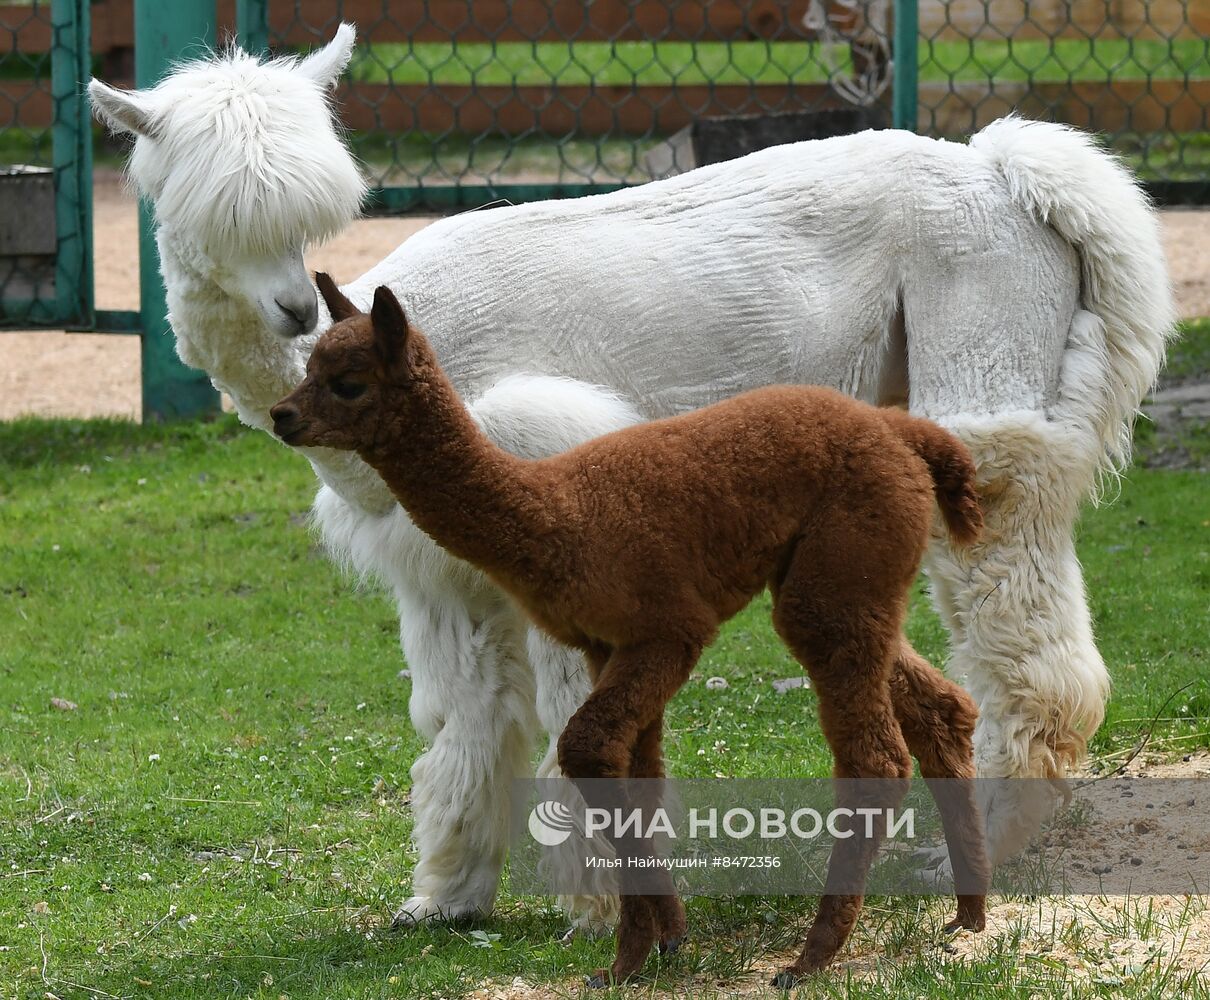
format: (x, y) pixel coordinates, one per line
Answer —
(534, 99)
(457, 102)
(1137, 73)
(45, 165)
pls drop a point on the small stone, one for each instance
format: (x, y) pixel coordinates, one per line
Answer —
(1136, 861)
(716, 684)
(789, 684)
(404, 675)
(1102, 869)
(41, 907)
(63, 705)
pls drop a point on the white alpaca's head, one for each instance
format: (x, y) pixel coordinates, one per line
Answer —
(243, 163)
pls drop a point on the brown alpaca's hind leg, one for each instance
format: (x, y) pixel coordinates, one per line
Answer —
(938, 722)
(843, 624)
(648, 764)
(616, 734)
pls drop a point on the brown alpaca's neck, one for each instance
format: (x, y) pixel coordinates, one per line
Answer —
(474, 499)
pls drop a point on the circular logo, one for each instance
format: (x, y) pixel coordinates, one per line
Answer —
(550, 823)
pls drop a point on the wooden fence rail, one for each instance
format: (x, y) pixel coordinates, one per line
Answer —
(306, 22)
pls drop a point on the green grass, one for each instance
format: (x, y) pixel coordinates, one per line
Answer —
(641, 63)
(1189, 355)
(644, 64)
(225, 813)
(1179, 441)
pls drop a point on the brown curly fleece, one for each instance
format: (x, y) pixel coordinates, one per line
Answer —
(637, 546)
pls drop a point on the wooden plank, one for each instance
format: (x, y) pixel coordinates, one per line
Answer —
(1032, 19)
(307, 22)
(1126, 106)
(112, 25)
(27, 29)
(562, 110)
(313, 21)
(23, 105)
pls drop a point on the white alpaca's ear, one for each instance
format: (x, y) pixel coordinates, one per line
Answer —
(326, 65)
(122, 110)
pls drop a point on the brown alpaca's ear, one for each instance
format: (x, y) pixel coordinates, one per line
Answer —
(390, 327)
(338, 305)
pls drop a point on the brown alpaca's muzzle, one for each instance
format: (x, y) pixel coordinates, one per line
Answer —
(288, 423)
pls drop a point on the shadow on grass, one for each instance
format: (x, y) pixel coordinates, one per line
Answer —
(305, 955)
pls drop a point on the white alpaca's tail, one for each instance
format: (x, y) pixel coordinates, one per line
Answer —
(1117, 343)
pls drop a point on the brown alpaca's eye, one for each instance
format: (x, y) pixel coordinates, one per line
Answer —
(346, 390)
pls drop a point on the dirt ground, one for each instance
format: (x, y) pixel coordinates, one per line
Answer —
(1102, 940)
(49, 373)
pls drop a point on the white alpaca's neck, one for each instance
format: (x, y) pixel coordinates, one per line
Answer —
(225, 338)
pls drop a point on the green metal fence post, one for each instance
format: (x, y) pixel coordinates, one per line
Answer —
(72, 142)
(162, 32)
(252, 25)
(905, 54)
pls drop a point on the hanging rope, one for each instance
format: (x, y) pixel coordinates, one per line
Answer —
(855, 46)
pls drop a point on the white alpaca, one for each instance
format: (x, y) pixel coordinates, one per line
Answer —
(1013, 289)
(234, 209)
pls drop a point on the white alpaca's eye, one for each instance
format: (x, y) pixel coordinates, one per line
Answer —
(346, 390)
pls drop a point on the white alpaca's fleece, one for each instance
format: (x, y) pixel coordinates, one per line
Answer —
(1013, 289)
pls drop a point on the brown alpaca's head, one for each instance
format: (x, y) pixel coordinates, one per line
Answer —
(356, 375)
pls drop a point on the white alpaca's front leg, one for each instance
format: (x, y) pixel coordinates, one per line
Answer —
(562, 685)
(472, 697)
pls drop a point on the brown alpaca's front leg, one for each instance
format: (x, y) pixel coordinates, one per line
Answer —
(616, 734)
(938, 722)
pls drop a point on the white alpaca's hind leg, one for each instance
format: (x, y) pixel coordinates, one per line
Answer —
(1022, 633)
(562, 685)
(472, 697)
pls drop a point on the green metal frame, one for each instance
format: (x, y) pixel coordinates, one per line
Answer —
(71, 163)
(162, 32)
(905, 65)
(252, 25)
(71, 138)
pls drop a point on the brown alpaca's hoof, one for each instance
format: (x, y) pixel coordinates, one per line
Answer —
(670, 918)
(972, 915)
(599, 980)
(786, 980)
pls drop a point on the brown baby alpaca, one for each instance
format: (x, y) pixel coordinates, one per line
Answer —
(635, 547)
